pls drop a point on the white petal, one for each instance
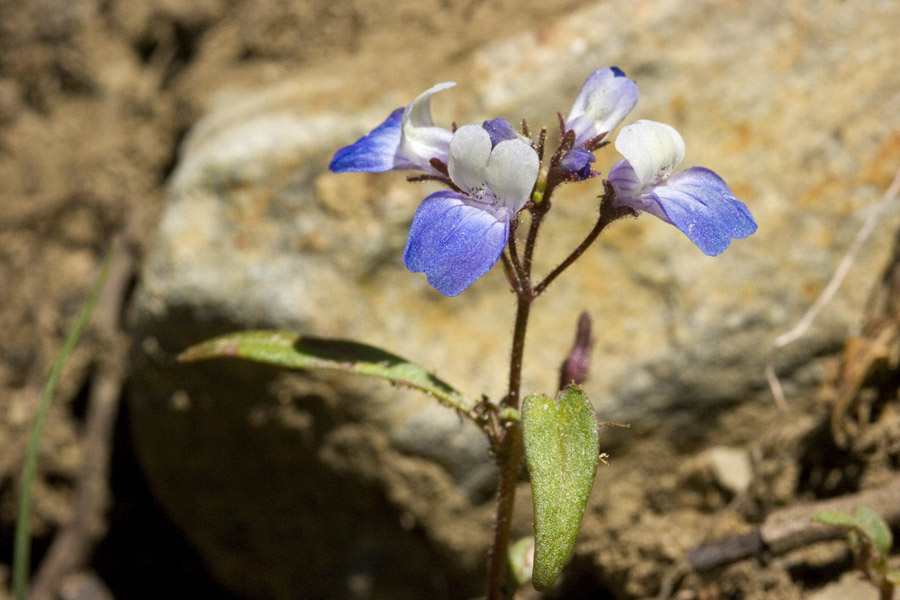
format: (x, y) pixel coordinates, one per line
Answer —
(420, 140)
(653, 150)
(418, 113)
(511, 173)
(470, 150)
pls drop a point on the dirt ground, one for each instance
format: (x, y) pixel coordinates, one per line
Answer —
(94, 98)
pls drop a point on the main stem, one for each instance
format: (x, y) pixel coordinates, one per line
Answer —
(510, 448)
(510, 452)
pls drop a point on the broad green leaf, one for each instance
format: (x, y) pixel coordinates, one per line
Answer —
(873, 526)
(291, 350)
(562, 451)
(835, 518)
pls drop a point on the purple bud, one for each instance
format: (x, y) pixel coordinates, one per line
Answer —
(578, 162)
(575, 368)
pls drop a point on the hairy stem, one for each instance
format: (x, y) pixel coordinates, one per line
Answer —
(537, 216)
(509, 457)
(511, 276)
(510, 448)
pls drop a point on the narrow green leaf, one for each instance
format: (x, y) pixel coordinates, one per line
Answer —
(562, 451)
(291, 350)
(873, 526)
(835, 518)
(22, 548)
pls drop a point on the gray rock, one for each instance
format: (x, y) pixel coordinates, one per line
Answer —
(310, 482)
(317, 471)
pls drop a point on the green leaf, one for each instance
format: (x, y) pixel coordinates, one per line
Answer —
(893, 577)
(22, 551)
(873, 526)
(835, 518)
(291, 350)
(562, 451)
(864, 523)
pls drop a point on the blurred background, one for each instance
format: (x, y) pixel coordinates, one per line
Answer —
(198, 135)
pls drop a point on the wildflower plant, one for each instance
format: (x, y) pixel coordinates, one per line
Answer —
(493, 176)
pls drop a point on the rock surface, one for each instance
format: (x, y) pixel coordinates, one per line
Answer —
(788, 104)
(851, 585)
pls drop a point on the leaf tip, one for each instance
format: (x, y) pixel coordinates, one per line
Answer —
(205, 350)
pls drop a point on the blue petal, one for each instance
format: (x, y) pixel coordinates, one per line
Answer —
(373, 153)
(500, 130)
(700, 204)
(453, 243)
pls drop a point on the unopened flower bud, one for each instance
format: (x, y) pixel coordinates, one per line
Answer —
(574, 369)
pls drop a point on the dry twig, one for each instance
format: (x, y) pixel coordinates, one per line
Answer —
(840, 273)
(791, 528)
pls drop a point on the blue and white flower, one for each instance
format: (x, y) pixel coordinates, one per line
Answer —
(408, 139)
(696, 201)
(457, 236)
(604, 100)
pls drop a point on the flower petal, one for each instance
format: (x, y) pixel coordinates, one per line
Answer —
(407, 139)
(653, 150)
(606, 97)
(470, 150)
(373, 153)
(511, 173)
(700, 204)
(625, 181)
(500, 130)
(453, 243)
(422, 140)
